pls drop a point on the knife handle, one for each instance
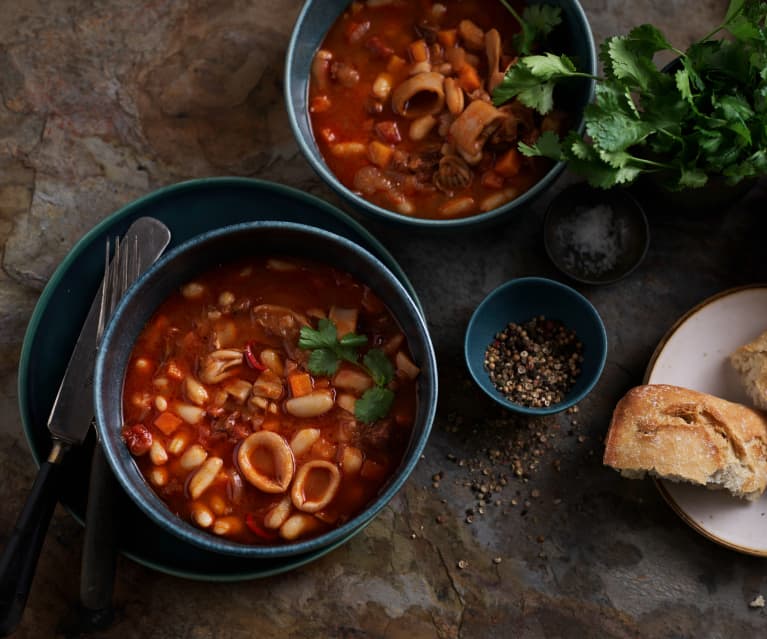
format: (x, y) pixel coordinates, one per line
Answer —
(100, 544)
(19, 560)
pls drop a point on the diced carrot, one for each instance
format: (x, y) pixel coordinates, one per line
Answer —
(491, 180)
(395, 64)
(509, 164)
(167, 422)
(469, 79)
(447, 37)
(300, 384)
(380, 154)
(320, 104)
(174, 371)
(419, 51)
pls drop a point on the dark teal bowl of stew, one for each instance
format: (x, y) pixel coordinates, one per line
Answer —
(408, 152)
(163, 330)
(519, 301)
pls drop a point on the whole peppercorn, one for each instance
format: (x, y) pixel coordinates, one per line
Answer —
(536, 363)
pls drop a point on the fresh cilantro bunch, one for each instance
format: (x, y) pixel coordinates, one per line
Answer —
(327, 352)
(706, 116)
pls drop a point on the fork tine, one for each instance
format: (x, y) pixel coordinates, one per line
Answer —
(115, 276)
(105, 292)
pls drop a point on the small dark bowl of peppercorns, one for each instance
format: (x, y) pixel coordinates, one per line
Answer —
(536, 346)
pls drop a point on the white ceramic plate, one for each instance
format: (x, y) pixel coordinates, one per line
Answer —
(694, 354)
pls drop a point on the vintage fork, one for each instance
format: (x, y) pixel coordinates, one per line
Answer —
(99, 558)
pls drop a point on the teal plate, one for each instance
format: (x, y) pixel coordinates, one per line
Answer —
(188, 209)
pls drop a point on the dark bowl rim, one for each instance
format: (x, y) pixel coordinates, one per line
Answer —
(578, 189)
(560, 288)
(381, 214)
(156, 509)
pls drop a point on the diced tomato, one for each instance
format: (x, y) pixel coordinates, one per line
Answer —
(300, 384)
(509, 164)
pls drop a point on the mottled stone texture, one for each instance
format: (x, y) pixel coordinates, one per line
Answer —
(102, 101)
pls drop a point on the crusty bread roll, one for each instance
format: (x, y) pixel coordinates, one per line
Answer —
(750, 361)
(684, 435)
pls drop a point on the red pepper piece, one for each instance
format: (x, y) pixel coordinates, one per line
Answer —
(250, 522)
(251, 358)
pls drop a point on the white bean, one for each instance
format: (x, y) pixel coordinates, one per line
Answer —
(193, 457)
(226, 298)
(272, 360)
(298, 525)
(193, 291)
(278, 514)
(189, 413)
(382, 86)
(239, 389)
(202, 515)
(219, 505)
(421, 127)
(161, 403)
(227, 526)
(351, 462)
(347, 402)
(457, 206)
(312, 405)
(497, 199)
(157, 453)
(406, 366)
(179, 443)
(303, 440)
(454, 96)
(352, 379)
(195, 392)
(348, 149)
(159, 476)
(204, 477)
(142, 364)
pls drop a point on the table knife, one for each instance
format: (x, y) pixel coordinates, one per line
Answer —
(69, 422)
(99, 559)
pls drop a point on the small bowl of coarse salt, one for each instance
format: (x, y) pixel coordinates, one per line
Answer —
(595, 236)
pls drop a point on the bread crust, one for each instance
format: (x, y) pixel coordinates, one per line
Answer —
(685, 435)
(750, 360)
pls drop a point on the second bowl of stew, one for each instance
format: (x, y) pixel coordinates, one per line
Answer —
(396, 105)
(265, 389)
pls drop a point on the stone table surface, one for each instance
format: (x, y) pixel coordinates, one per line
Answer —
(105, 100)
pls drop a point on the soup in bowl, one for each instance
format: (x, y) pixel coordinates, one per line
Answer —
(256, 399)
(403, 108)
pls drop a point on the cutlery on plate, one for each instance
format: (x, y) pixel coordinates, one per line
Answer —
(142, 245)
(68, 422)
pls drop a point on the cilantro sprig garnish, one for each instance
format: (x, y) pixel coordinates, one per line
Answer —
(707, 116)
(328, 351)
(536, 22)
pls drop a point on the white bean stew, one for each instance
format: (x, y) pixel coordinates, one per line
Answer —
(269, 400)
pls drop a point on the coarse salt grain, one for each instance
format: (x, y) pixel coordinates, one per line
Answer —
(594, 239)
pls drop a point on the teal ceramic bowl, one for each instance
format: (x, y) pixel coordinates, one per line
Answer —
(198, 255)
(520, 300)
(573, 37)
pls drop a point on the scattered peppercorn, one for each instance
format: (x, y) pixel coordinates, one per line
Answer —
(536, 363)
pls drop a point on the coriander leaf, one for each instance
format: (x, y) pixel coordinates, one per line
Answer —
(692, 178)
(648, 40)
(323, 337)
(379, 366)
(374, 404)
(682, 79)
(549, 66)
(540, 98)
(735, 8)
(543, 18)
(629, 61)
(352, 339)
(322, 361)
(614, 131)
(547, 145)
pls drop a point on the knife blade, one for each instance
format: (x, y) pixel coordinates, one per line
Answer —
(68, 422)
(99, 559)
